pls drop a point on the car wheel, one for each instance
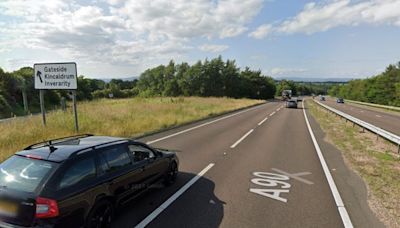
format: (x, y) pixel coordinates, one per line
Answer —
(171, 175)
(101, 215)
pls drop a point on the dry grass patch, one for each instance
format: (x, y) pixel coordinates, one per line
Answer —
(119, 117)
(375, 160)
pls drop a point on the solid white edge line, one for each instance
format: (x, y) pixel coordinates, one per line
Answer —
(171, 199)
(262, 121)
(242, 138)
(204, 124)
(336, 195)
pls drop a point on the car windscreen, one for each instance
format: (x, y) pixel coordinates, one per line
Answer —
(23, 174)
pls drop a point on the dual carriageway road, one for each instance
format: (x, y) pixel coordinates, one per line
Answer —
(258, 167)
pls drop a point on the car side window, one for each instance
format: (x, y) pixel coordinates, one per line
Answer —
(78, 171)
(115, 158)
(140, 153)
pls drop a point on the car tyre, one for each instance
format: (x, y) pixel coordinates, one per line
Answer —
(170, 176)
(101, 215)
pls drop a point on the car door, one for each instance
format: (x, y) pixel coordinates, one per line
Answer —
(119, 173)
(76, 187)
(154, 165)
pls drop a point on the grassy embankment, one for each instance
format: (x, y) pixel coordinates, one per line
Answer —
(121, 117)
(376, 161)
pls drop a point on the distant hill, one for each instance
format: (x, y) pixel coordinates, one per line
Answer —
(310, 79)
(124, 79)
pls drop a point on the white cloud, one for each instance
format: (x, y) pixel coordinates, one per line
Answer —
(213, 48)
(188, 19)
(121, 32)
(261, 32)
(319, 17)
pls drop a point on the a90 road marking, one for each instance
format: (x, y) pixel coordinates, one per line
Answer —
(276, 183)
(266, 179)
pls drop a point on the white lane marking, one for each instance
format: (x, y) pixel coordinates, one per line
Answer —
(378, 116)
(171, 199)
(336, 195)
(278, 109)
(361, 111)
(241, 139)
(262, 121)
(202, 125)
(272, 114)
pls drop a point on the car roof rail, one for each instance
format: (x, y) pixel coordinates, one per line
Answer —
(96, 146)
(56, 141)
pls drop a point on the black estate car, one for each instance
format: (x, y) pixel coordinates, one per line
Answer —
(78, 181)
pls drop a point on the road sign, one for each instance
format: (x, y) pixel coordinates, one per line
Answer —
(55, 76)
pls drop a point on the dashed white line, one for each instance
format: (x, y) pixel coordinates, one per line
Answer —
(378, 116)
(202, 125)
(272, 114)
(241, 139)
(336, 195)
(171, 199)
(262, 121)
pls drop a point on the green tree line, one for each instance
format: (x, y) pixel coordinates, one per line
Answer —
(381, 89)
(214, 78)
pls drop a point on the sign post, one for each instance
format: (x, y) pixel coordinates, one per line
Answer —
(41, 97)
(50, 76)
(75, 112)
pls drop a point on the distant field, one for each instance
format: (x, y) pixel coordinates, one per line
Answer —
(120, 117)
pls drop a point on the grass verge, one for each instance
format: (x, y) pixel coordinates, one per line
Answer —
(119, 117)
(375, 160)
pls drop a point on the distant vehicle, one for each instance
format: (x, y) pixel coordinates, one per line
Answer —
(299, 99)
(286, 94)
(291, 103)
(78, 181)
(340, 100)
(322, 98)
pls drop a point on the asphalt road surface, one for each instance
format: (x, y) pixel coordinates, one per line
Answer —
(382, 119)
(258, 167)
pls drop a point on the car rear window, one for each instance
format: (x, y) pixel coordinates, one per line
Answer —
(23, 174)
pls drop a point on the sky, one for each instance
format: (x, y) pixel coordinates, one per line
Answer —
(282, 38)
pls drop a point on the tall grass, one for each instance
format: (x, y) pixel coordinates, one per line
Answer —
(120, 117)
